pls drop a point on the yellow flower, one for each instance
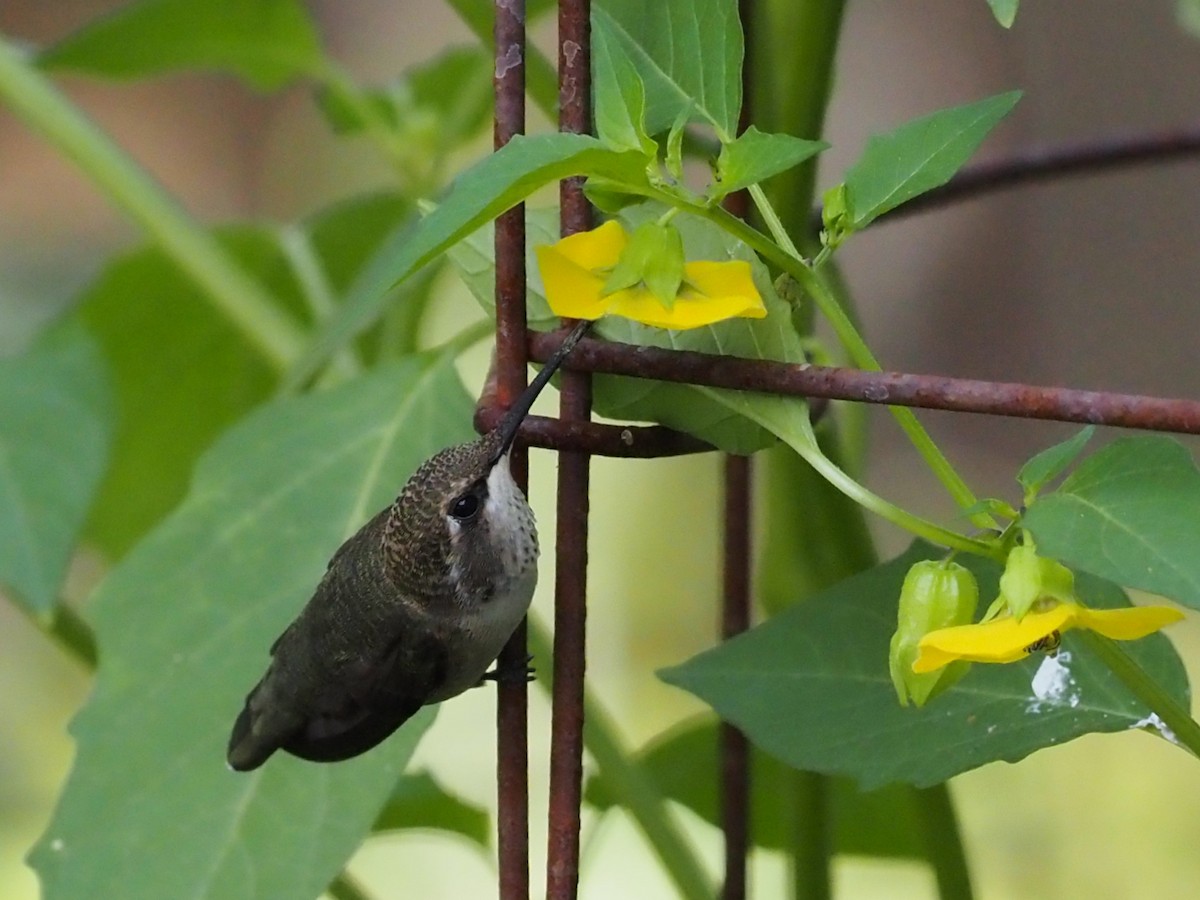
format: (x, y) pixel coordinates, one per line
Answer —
(574, 272)
(1005, 639)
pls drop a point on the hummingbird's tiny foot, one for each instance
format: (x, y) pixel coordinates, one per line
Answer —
(520, 674)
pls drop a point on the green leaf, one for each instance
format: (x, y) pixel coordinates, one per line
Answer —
(1005, 11)
(756, 156)
(686, 51)
(684, 763)
(620, 94)
(1053, 461)
(1128, 513)
(418, 801)
(474, 259)
(346, 234)
(56, 424)
(811, 687)
(266, 43)
(182, 374)
(184, 625)
(918, 156)
(493, 185)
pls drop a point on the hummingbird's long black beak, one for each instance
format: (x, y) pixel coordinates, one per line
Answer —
(519, 410)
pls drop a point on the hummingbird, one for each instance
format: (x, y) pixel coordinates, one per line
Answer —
(412, 608)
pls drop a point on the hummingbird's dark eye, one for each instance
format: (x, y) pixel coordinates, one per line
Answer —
(465, 507)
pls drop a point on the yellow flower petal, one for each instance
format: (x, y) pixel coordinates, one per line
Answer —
(1128, 624)
(1005, 639)
(575, 269)
(599, 248)
(998, 641)
(572, 291)
(572, 270)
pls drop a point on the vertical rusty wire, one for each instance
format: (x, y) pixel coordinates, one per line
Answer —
(570, 584)
(512, 703)
(735, 618)
(735, 600)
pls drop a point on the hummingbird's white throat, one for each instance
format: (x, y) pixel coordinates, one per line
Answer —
(511, 520)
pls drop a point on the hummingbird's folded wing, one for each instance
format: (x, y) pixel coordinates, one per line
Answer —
(368, 706)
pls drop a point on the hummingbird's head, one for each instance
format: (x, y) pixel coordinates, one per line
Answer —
(461, 529)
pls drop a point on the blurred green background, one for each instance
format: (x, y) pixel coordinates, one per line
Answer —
(1089, 283)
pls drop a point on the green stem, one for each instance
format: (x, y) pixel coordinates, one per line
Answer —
(1173, 714)
(795, 42)
(787, 258)
(812, 836)
(237, 296)
(315, 288)
(635, 790)
(897, 515)
(344, 887)
(943, 842)
(807, 446)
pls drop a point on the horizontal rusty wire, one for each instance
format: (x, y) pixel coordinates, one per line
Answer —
(889, 388)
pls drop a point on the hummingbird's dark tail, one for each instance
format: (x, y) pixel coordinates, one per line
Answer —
(519, 410)
(245, 752)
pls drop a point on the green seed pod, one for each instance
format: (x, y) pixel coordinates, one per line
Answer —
(935, 595)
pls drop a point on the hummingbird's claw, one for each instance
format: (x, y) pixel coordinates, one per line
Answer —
(518, 674)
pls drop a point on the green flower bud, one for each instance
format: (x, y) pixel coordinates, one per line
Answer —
(1028, 578)
(654, 257)
(935, 595)
(835, 219)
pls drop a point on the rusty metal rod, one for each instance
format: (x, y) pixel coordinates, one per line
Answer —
(570, 573)
(735, 618)
(628, 441)
(889, 388)
(512, 699)
(734, 750)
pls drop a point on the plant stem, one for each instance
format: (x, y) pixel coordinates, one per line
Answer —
(635, 790)
(812, 836)
(794, 45)
(788, 259)
(943, 842)
(237, 296)
(1174, 715)
(805, 443)
(315, 288)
